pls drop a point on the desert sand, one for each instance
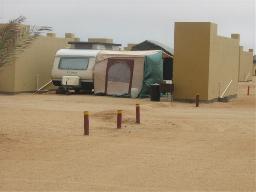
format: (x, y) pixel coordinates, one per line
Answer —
(177, 147)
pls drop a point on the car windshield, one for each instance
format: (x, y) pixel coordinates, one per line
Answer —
(74, 63)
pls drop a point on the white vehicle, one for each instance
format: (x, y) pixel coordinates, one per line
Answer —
(73, 69)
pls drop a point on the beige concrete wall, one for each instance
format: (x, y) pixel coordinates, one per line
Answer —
(7, 78)
(223, 65)
(191, 59)
(129, 46)
(245, 65)
(204, 63)
(7, 71)
(100, 40)
(36, 62)
(254, 70)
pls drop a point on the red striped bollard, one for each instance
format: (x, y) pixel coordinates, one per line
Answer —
(86, 123)
(119, 119)
(138, 113)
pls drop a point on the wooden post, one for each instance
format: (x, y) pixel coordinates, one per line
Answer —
(197, 100)
(248, 90)
(119, 119)
(86, 123)
(138, 113)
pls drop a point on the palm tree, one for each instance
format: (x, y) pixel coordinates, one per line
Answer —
(15, 37)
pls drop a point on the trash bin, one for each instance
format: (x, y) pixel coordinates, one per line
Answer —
(155, 92)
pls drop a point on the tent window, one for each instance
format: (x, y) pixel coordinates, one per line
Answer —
(74, 63)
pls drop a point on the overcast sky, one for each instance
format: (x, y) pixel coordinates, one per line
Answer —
(132, 21)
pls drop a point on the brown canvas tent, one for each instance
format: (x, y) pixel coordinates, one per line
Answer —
(118, 72)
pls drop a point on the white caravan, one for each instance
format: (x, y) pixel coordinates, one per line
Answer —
(73, 69)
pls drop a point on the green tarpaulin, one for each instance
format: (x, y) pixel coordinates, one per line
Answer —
(153, 72)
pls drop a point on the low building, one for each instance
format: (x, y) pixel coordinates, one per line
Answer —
(96, 43)
(245, 64)
(129, 46)
(204, 62)
(254, 65)
(32, 66)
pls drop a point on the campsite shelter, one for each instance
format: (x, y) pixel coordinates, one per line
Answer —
(119, 72)
(167, 55)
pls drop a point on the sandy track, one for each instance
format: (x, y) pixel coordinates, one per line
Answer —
(177, 146)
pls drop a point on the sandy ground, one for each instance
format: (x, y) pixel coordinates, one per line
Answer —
(177, 147)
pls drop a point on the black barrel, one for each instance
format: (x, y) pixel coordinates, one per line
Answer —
(155, 92)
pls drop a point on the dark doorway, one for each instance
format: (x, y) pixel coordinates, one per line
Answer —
(167, 68)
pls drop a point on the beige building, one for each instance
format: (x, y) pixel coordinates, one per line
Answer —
(97, 44)
(129, 46)
(32, 67)
(245, 64)
(254, 65)
(204, 62)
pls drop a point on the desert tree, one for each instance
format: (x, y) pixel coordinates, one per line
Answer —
(15, 37)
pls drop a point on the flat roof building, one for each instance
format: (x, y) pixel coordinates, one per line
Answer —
(96, 43)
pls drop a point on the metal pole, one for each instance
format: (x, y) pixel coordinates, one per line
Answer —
(222, 95)
(197, 100)
(138, 113)
(119, 119)
(86, 123)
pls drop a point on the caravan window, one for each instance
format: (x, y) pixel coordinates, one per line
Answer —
(74, 63)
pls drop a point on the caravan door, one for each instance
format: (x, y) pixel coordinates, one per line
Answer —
(119, 76)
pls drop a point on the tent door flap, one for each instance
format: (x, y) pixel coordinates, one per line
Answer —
(119, 75)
